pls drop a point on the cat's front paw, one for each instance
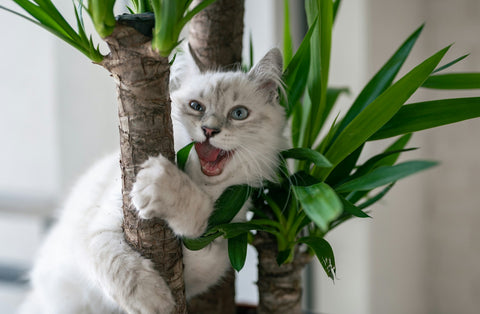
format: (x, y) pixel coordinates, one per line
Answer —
(151, 193)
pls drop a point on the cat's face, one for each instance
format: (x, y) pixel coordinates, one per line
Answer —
(235, 120)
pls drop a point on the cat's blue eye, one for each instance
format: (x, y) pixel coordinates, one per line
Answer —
(239, 113)
(196, 106)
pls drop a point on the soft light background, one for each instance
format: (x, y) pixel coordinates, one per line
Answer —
(420, 252)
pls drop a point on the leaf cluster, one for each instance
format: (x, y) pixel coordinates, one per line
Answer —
(44, 14)
(170, 18)
(324, 184)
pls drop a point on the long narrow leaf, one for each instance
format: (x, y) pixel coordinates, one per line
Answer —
(449, 64)
(307, 154)
(453, 81)
(229, 204)
(319, 66)
(384, 175)
(200, 243)
(390, 160)
(372, 200)
(296, 74)
(381, 81)
(353, 210)
(336, 6)
(344, 168)
(424, 115)
(287, 35)
(380, 111)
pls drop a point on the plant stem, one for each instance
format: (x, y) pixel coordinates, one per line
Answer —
(216, 34)
(280, 287)
(145, 130)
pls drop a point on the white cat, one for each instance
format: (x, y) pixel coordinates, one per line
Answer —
(85, 265)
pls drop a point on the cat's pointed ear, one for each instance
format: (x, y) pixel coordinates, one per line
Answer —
(184, 65)
(201, 67)
(268, 72)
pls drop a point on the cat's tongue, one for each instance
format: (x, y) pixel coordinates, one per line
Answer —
(212, 159)
(207, 152)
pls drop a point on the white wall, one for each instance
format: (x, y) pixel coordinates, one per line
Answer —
(58, 115)
(424, 240)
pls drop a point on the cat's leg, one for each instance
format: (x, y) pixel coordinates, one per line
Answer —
(119, 272)
(162, 190)
(125, 276)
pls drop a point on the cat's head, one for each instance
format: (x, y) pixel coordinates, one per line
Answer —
(235, 120)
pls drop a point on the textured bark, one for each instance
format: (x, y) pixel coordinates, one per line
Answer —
(215, 38)
(145, 130)
(279, 287)
(219, 299)
(216, 34)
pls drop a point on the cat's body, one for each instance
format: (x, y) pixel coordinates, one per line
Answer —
(85, 265)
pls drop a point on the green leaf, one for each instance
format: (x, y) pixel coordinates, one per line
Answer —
(302, 178)
(344, 168)
(285, 256)
(324, 253)
(103, 18)
(296, 74)
(379, 112)
(287, 36)
(201, 242)
(446, 66)
(425, 115)
(390, 160)
(384, 175)
(229, 204)
(376, 161)
(234, 229)
(353, 210)
(182, 156)
(47, 16)
(319, 65)
(336, 6)
(306, 154)
(399, 144)
(453, 81)
(320, 203)
(372, 200)
(237, 250)
(381, 81)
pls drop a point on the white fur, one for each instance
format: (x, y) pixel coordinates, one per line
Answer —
(85, 265)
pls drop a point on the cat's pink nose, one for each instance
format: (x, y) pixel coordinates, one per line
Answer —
(210, 132)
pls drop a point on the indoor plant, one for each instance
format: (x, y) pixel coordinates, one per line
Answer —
(341, 147)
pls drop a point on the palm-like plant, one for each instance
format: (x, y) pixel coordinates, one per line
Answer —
(324, 185)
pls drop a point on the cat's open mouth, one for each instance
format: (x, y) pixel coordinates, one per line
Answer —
(212, 159)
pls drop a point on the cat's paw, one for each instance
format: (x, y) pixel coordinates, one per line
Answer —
(151, 193)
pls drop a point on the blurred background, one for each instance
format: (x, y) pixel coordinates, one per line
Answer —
(420, 252)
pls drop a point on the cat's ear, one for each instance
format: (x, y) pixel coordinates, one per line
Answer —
(202, 68)
(268, 72)
(184, 65)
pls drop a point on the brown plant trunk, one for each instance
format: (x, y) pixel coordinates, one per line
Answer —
(145, 128)
(279, 287)
(215, 37)
(216, 34)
